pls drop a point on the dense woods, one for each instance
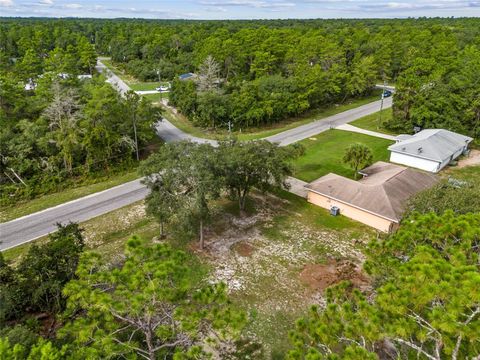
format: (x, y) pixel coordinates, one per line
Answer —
(249, 73)
(61, 124)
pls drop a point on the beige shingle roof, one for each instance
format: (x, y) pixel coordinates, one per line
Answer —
(383, 191)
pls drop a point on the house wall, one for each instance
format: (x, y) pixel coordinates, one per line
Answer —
(364, 217)
(415, 162)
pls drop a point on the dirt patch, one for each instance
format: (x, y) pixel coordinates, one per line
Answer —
(471, 160)
(320, 276)
(244, 249)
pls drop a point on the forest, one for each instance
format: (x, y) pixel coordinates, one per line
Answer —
(248, 74)
(62, 125)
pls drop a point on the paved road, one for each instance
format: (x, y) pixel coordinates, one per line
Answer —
(30, 227)
(113, 79)
(315, 127)
(169, 133)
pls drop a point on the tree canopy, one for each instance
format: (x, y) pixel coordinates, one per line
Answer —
(426, 303)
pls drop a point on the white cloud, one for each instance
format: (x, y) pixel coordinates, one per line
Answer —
(46, 2)
(259, 4)
(6, 3)
(73, 6)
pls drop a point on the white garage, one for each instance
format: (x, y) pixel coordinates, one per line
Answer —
(430, 150)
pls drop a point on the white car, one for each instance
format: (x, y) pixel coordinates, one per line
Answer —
(163, 88)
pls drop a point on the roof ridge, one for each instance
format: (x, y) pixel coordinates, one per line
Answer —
(387, 197)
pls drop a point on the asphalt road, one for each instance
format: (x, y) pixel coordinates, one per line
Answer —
(113, 79)
(31, 227)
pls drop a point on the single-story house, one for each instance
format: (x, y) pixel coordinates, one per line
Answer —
(377, 200)
(187, 76)
(429, 150)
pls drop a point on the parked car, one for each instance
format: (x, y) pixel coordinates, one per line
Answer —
(163, 88)
(387, 93)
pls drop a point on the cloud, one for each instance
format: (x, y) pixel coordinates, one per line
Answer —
(46, 2)
(258, 4)
(393, 7)
(6, 3)
(73, 6)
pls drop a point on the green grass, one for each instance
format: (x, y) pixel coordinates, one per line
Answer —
(313, 216)
(156, 98)
(144, 86)
(464, 173)
(375, 122)
(181, 122)
(46, 201)
(324, 154)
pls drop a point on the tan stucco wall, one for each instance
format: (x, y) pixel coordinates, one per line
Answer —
(352, 212)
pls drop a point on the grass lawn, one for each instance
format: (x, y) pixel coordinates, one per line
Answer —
(371, 122)
(156, 98)
(324, 153)
(186, 125)
(30, 206)
(144, 86)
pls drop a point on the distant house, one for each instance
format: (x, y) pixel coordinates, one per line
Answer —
(378, 200)
(187, 76)
(429, 150)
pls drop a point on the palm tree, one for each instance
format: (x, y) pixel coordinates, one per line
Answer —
(358, 156)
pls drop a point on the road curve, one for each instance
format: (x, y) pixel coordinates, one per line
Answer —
(34, 226)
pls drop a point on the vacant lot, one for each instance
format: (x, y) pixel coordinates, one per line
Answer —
(276, 260)
(324, 153)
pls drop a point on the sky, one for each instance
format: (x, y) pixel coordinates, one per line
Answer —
(240, 9)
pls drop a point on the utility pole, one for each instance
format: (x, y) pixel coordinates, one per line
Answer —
(132, 101)
(381, 105)
(135, 132)
(230, 128)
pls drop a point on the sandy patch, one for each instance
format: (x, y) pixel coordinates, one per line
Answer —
(320, 276)
(471, 160)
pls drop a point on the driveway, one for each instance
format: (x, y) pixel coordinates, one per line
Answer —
(348, 127)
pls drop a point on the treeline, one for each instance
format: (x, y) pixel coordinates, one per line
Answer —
(265, 71)
(65, 131)
(425, 303)
(57, 127)
(440, 89)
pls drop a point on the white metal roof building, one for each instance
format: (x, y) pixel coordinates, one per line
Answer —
(429, 150)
